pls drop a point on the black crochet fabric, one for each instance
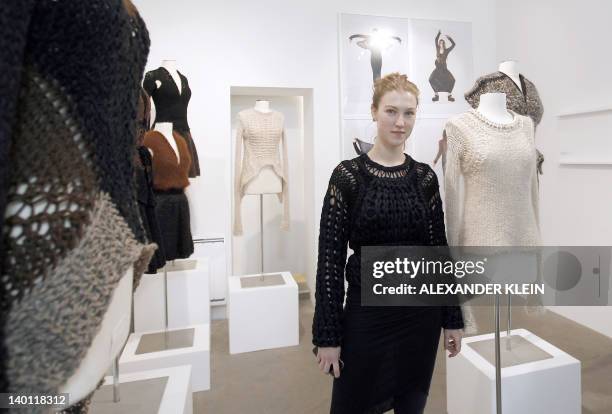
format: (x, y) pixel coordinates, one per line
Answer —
(369, 204)
(69, 83)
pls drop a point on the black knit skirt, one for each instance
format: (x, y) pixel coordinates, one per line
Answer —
(388, 353)
(172, 210)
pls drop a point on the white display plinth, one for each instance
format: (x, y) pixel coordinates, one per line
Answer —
(176, 399)
(262, 317)
(197, 355)
(188, 297)
(550, 385)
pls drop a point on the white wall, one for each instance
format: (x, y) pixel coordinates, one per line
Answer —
(275, 43)
(561, 46)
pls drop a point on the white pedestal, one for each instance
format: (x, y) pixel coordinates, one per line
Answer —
(197, 355)
(550, 385)
(262, 317)
(176, 399)
(188, 297)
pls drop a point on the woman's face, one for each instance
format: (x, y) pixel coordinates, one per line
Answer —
(395, 117)
(442, 44)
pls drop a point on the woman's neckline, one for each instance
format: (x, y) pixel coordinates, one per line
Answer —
(406, 165)
(495, 125)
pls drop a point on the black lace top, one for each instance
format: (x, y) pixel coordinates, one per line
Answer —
(369, 204)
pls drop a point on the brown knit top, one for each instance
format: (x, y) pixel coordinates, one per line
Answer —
(168, 172)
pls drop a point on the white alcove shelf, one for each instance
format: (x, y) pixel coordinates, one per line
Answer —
(579, 149)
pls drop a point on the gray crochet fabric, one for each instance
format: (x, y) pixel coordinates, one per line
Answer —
(524, 102)
(50, 330)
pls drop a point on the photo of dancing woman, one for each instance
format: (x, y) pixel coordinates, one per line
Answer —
(375, 43)
(441, 79)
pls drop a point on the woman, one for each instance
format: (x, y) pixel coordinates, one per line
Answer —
(441, 79)
(381, 357)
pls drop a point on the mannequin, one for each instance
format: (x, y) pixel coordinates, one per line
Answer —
(491, 153)
(170, 66)
(165, 128)
(170, 95)
(263, 168)
(262, 106)
(267, 181)
(493, 107)
(510, 68)
(521, 94)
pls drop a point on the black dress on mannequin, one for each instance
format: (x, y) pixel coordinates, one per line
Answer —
(171, 106)
(388, 351)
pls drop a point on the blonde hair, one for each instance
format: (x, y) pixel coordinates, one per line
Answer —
(393, 82)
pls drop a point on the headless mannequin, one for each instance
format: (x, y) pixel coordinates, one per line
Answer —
(170, 66)
(266, 182)
(493, 107)
(510, 68)
(165, 128)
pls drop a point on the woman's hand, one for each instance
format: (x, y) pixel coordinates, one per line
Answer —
(329, 357)
(452, 341)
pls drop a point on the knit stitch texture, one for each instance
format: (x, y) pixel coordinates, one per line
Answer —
(525, 101)
(262, 135)
(370, 204)
(491, 189)
(69, 85)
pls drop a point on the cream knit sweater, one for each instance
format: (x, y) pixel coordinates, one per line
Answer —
(491, 182)
(261, 134)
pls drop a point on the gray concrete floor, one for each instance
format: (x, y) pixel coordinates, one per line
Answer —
(287, 380)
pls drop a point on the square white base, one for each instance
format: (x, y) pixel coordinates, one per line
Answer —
(176, 399)
(188, 296)
(262, 317)
(549, 385)
(198, 356)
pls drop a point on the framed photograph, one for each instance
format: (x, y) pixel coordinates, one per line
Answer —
(436, 56)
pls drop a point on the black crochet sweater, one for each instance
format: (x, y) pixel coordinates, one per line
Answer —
(69, 83)
(369, 204)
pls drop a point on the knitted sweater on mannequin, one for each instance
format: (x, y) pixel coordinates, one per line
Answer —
(69, 82)
(169, 173)
(261, 134)
(497, 164)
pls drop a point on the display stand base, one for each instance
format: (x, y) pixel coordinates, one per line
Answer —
(161, 391)
(262, 315)
(155, 350)
(537, 377)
